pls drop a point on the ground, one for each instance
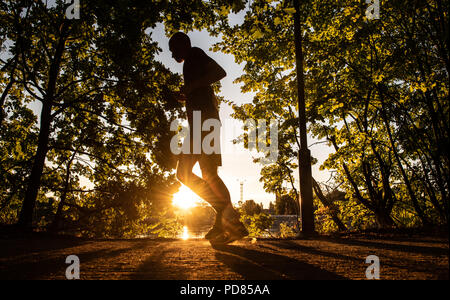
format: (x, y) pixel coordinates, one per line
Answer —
(43, 257)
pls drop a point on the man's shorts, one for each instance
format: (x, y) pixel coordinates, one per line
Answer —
(204, 159)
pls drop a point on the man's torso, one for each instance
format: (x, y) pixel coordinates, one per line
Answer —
(202, 99)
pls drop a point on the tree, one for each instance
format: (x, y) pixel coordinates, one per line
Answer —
(286, 205)
(106, 109)
(102, 92)
(271, 208)
(375, 92)
(250, 207)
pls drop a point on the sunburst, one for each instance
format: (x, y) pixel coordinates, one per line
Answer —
(185, 198)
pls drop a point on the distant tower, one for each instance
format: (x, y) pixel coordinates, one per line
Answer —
(241, 184)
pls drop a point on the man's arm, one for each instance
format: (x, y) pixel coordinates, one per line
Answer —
(214, 72)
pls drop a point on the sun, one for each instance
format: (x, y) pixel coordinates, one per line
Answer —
(185, 198)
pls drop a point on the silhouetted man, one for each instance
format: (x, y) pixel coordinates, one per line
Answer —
(199, 72)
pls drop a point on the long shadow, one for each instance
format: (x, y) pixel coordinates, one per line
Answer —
(438, 240)
(290, 245)
(155, 269)
(54, 266)
(257, 265)
(20, 246)
(389, 246)
(404, 263)
(39, 264)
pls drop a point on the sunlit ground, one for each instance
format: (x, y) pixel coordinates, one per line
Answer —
(185, 198)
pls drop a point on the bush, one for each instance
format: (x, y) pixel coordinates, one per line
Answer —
(257, 224)
(287, 231)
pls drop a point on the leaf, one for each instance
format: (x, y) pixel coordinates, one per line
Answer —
(290, 10)
(258, 34)
(278, 21)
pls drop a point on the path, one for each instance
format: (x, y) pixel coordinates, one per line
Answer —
(322, 258)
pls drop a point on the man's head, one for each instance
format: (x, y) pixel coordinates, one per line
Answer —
(179, 45)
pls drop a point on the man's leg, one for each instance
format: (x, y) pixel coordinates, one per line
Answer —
(228, 227)
(211, 177)
(198, 185)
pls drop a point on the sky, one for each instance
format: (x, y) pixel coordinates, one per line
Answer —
(237, 162)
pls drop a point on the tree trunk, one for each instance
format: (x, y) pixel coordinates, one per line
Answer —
(384, 219)
(411, 193)
(34, 181)
(55, 226)
(382, 215)
(351, 180)
(329, 205)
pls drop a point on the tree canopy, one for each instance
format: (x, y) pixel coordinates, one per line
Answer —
(96, 161)
(376, 91)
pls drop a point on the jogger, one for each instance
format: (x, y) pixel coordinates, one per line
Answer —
(199, 72)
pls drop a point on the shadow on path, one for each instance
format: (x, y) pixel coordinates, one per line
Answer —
(257, 265)
(396, 247)
(21, 246)
(157, 268)
(404, 262)
(290, 245)
(55, 266)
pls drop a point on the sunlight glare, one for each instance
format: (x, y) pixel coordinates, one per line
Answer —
(185, 198)
(185, 235)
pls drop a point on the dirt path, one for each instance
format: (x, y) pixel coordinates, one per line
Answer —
(322, 258)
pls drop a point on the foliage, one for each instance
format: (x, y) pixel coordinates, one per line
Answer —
(96, 161)
(287, 204)
(376, 91)
(287, 231)
(258, 224)
(17, 145)
(166, 225)
(250, 207)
